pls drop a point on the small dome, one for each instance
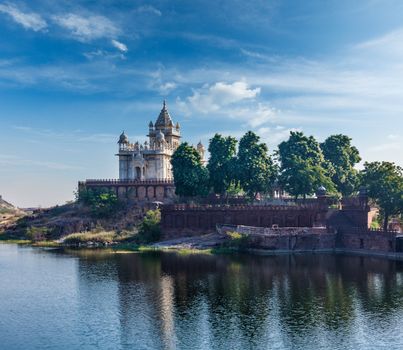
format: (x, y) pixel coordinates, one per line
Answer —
(160, 136)
(177, 126)
(321, 191)
(123, 138)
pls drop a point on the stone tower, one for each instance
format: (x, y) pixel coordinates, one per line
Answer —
(202, 151)
(151, 160)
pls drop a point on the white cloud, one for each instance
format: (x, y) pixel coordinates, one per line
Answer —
(149, 9)
(87, 28)
(28, 20)
(389, 43)
(212, 98)
(167, 87)
(274, 135)
(120, 46)
(254, 115)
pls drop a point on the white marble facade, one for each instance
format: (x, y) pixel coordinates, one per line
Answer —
(150, 160)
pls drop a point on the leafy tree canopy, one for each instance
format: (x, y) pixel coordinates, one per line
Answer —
(220, 165)
(102, 203)
(149, 228)
(190, 176)
(254, 167)
(337, 150)
(384, 182)
(303, 168)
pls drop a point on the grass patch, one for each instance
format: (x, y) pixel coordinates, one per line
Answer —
(87, 237)
(45, 244)
(15, 241)
(191, 251)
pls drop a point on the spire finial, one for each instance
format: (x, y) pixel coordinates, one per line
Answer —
(164, 104)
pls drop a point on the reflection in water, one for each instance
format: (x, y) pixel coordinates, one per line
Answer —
(172, 301)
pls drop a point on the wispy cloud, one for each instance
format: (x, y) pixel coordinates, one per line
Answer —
(149, 9)
(119, 45)
(29, 20)
(87, 28)
(12, 160)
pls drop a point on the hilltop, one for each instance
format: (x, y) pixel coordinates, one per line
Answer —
(55, 223)
(9, 213)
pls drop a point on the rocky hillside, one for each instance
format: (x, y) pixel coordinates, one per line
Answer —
(57, 222)
(9, 213)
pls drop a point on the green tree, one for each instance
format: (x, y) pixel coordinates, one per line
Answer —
(337, 150)
(149, 228)
(303, 168)
(384, 182)
(222, 152)
(254, 167)
(190, 176)
(102, 203)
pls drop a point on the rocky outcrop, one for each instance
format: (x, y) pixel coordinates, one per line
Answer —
(59, 221)
(9, 213)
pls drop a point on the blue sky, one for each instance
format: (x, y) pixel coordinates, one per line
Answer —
(74, 74)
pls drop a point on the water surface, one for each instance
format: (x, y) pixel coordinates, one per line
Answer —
(55, 299)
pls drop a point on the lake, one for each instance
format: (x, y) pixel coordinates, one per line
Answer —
(93, 299)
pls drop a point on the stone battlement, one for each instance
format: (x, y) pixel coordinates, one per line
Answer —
(103, 182)
(140, 191)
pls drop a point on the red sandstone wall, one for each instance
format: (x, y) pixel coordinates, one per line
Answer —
(185, 220)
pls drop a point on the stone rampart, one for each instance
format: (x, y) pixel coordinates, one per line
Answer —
(190, 220)
(285, 238)
(135, 190)
(348, 239)
(351, 238)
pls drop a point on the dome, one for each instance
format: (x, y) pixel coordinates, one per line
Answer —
(123, 138)
(160, 136)
(321, 191)
(164, 119)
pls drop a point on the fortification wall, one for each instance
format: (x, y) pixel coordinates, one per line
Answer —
(188, 220)
(135, 190)
(285, 238)
(312, 238)
(351, 238)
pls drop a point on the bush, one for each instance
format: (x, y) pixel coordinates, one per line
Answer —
(149, 228)
(237, 240)
(37, 233)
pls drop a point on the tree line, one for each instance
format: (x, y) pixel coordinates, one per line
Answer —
(300, 166)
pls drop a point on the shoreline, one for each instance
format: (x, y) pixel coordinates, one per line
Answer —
(155, 247)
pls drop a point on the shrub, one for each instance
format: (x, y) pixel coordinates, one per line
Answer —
(37, 233)
(237, 240)
(149, 228)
